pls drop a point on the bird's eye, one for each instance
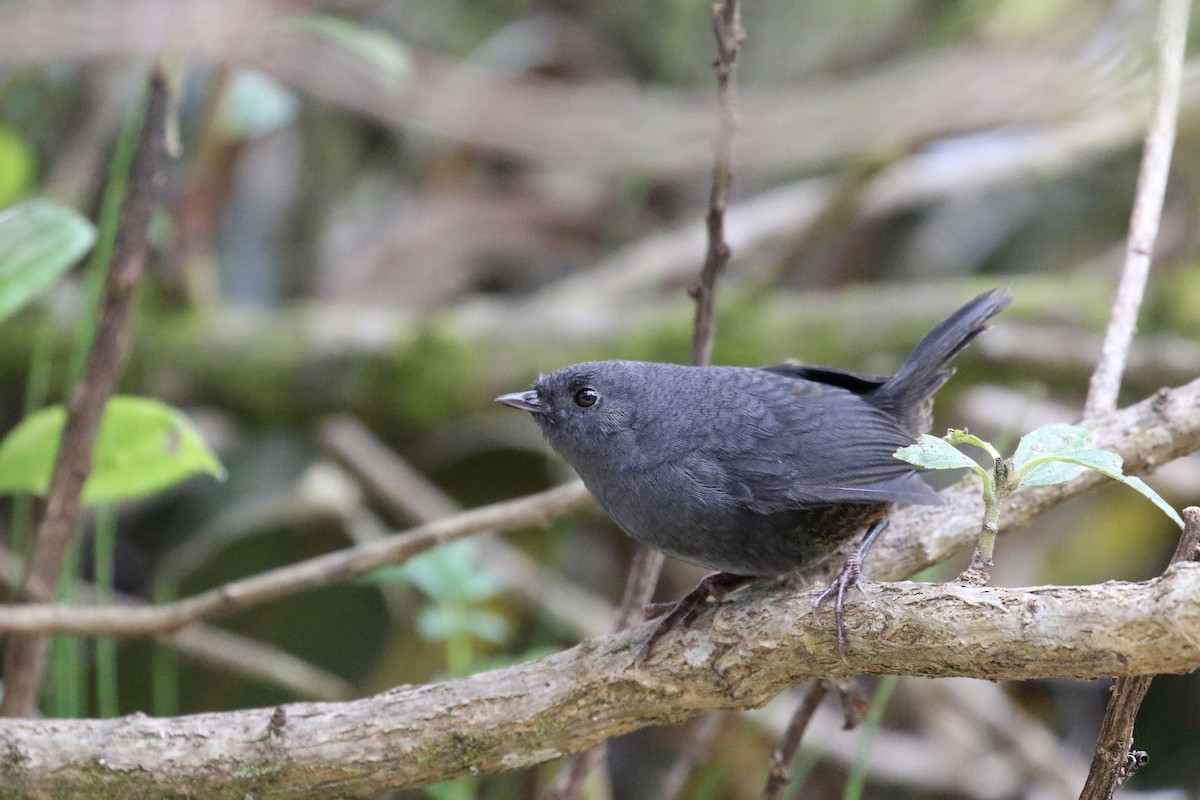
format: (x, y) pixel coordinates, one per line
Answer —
(586, 397)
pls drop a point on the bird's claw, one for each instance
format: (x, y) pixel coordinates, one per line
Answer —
(849, 576)
(716, 585)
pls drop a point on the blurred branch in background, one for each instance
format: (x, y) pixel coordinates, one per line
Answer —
(222, 650)
(1147, 209)
(410, 497)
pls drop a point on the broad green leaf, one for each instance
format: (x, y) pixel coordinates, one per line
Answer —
(1047, 471)
(931, 452)
(1050, 439)
(443, 574)
(1103, 461)
(1063, 466)
(143, 446)
(39, 241)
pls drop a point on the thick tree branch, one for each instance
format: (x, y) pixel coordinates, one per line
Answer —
(737, 655)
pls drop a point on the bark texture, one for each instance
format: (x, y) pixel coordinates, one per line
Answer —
(737, 655)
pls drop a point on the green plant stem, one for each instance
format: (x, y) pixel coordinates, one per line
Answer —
(37, 391)
(857, 779)
(995, 494)
(67, 691)
(106, 646)
(164, 663)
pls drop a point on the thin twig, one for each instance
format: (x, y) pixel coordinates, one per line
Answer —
(727, 28)
(408, 496)
(1113, 760)
(323, 570)
(1147, 210)
(576, 774)
(647, 563)
(220, 649)
(639, 591)
(25, 656)
(789, 743)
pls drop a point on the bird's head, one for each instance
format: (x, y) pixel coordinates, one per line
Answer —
(591, 412)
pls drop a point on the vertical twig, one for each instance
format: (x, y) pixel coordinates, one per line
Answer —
(1113, 760)
(1144, 221)
(25, 656)
(727, 27)
(643, 574)
(789, 743)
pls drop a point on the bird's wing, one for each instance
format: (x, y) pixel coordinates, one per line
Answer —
(800, 443)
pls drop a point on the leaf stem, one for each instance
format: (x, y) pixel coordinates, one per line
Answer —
(995, 493)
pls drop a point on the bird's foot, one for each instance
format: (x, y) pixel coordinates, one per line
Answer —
(717, 585)
(849, 576)
(851, 572)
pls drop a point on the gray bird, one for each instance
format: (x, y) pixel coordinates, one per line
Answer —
(749, 471)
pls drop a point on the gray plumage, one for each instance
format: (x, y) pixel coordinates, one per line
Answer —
(751, 471)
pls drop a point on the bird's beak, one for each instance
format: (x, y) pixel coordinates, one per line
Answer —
(526, 401)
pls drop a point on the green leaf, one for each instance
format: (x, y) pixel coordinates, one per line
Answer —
(39, 241)
(931, 452)
(1049, 470)
(143, 446)
(1042, 470)
(444, 574)
(956, 437)
(437, 623)
(1049, 439)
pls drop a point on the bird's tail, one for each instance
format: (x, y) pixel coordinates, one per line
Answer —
(904, 395)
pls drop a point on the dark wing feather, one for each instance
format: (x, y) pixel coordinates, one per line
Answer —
(800, 443)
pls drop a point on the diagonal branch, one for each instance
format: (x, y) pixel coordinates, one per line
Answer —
(341, 565)
(25, 657)
(1105, 384)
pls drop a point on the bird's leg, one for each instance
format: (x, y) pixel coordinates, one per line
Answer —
(717, 585)
(848, 577)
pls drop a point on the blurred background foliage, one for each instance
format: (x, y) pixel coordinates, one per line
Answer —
(383, 214)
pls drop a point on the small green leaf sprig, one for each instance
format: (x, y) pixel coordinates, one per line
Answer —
(1051, 454)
